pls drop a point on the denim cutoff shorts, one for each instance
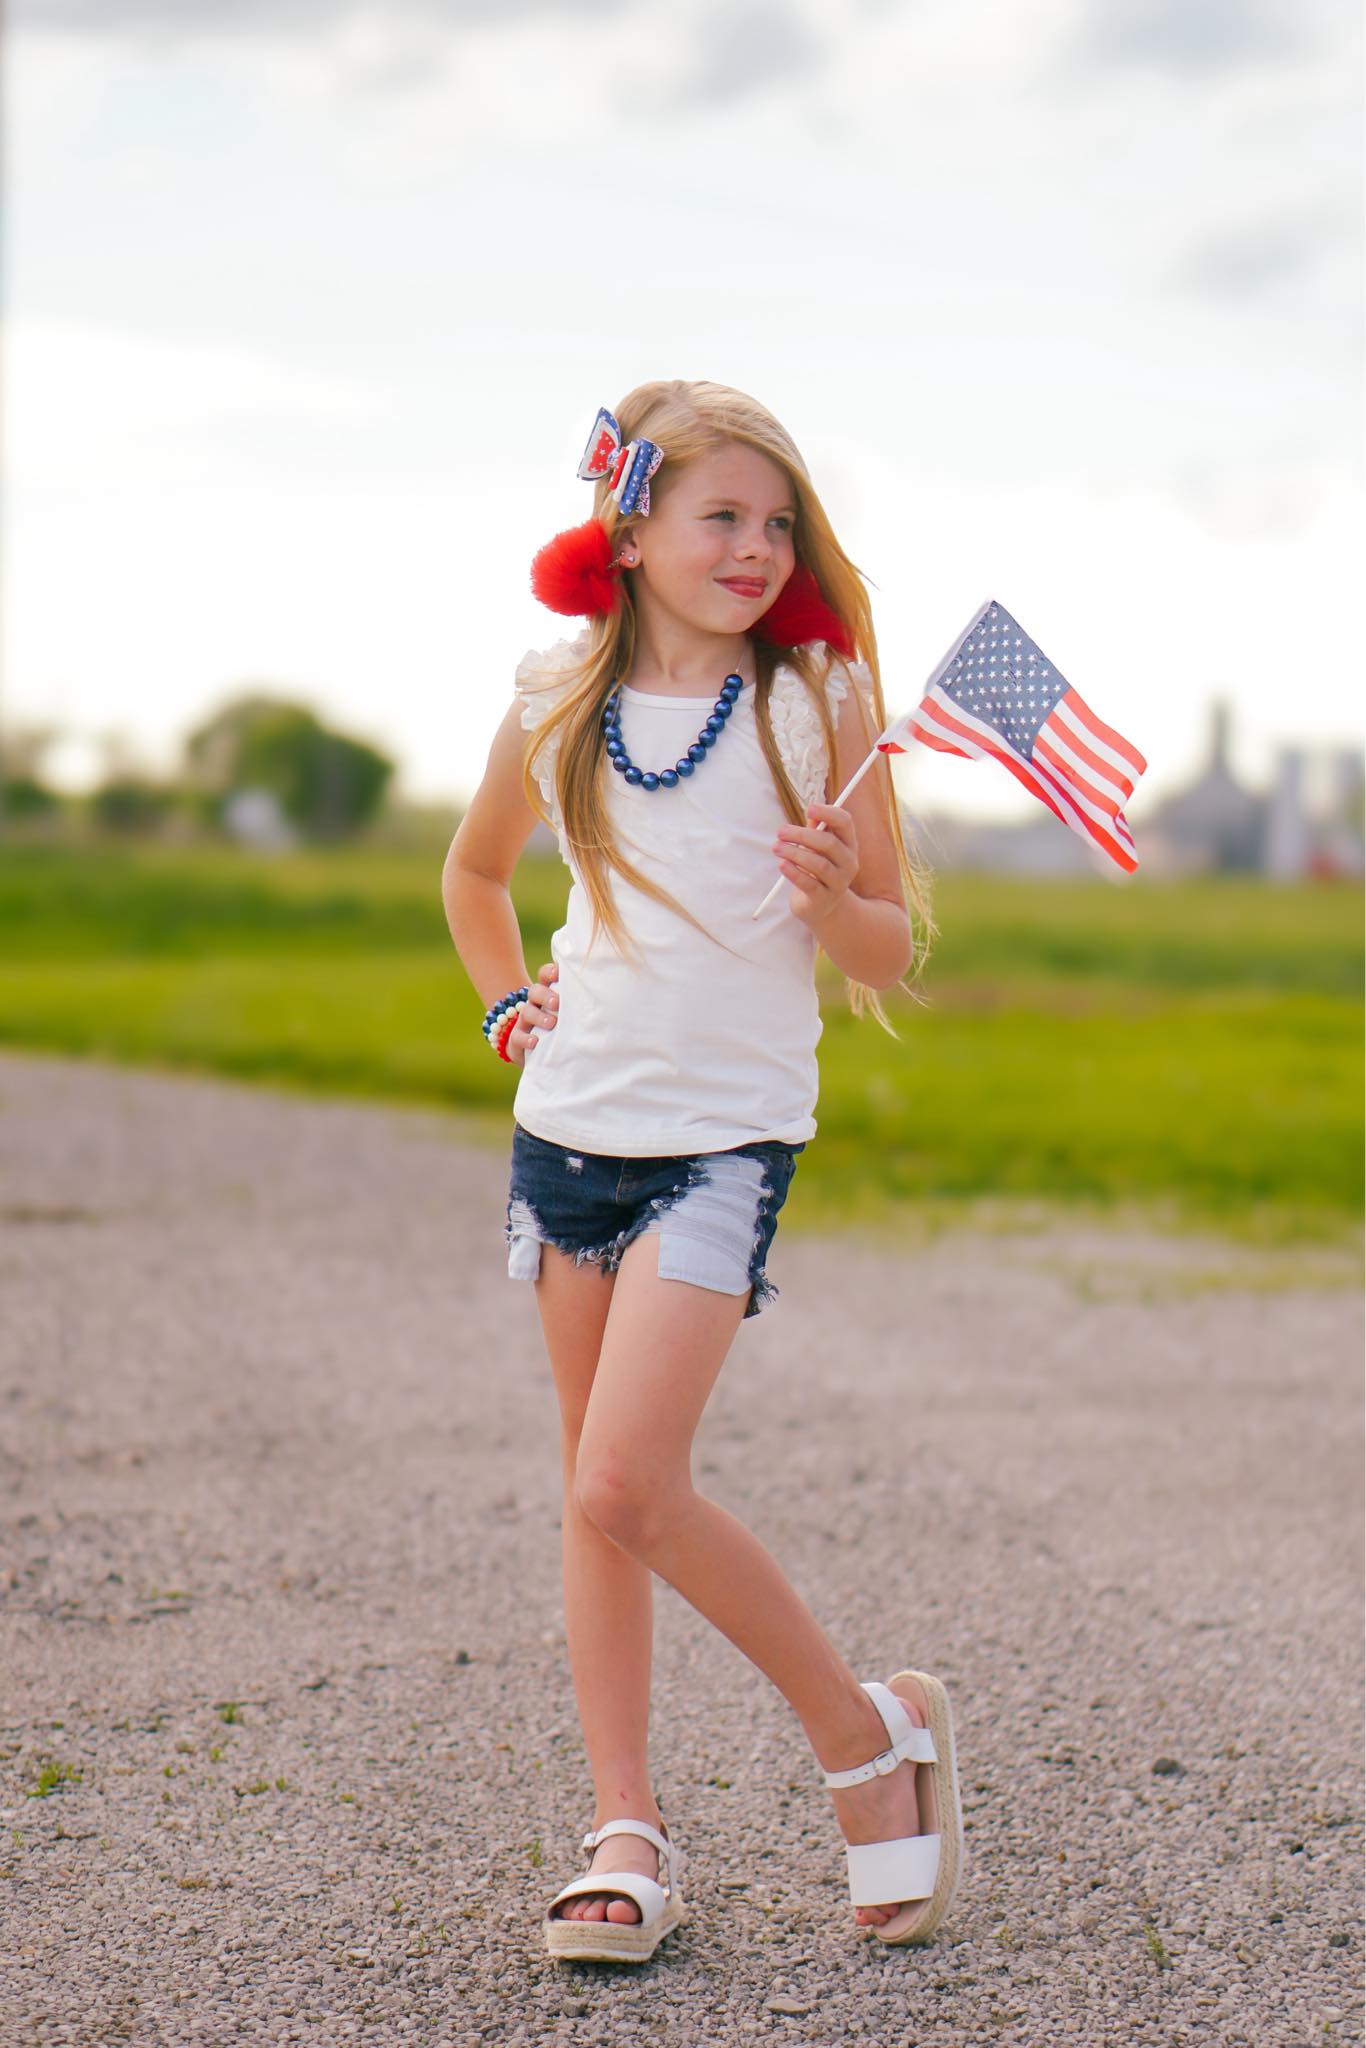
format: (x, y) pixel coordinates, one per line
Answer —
(715, 1212)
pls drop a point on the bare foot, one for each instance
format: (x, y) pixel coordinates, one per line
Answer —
(618, 1852)
(881, 1809)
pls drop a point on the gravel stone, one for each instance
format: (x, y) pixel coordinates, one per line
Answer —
(288, 1742)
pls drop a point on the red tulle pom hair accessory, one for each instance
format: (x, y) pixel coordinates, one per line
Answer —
(575, 572)
(800, 613)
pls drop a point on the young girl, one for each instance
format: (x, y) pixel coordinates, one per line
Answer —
(685, 748)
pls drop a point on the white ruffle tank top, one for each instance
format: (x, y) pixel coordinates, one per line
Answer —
(693, 1048)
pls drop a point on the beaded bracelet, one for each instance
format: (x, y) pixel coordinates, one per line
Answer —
(503, 1033)
(499, 1024)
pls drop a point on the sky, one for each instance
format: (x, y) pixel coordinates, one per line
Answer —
(308, 308)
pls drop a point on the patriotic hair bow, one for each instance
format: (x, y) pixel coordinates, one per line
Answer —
(627, 468)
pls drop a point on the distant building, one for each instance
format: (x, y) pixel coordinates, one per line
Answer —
(254, 817)
(1213, 824)
(1308, 823)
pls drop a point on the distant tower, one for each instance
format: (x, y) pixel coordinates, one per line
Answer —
(1350, 779)
(1219, 718)
(1287, 827)
(1213, 824)
(1340, 848)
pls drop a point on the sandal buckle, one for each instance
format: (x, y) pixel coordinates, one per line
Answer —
(887, 1761)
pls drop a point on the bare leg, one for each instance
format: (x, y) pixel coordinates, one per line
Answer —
(662, 1350)
(608, 1595)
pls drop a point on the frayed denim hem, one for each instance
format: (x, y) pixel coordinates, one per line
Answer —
(763, 1289)
(524, 1228)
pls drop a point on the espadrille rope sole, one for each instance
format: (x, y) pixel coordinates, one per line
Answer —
(660, 1904)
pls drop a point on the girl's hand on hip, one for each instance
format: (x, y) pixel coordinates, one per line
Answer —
(821, 863)
(536, 1011)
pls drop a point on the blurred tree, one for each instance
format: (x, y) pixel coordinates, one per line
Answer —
(24, 799)
(211, 749)
(327, 784)
(131, 804)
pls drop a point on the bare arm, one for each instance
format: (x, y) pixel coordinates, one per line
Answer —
(867, 939)
(474, 884)
(866, 930)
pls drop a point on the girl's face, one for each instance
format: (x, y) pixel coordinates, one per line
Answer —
(718, 545)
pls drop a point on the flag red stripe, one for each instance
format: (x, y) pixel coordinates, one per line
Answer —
(930, 740)
(1078, 705)
(1070, 744)
(1076, 734)
(1107, 801)
(1107, 841)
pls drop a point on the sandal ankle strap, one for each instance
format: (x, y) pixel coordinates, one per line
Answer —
(633, 1827)
(906, 1741)
(671, 1857)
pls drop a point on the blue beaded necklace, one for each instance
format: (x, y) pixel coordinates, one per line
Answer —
(668, 778)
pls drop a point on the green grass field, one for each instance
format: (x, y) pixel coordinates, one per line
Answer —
(1187, 1052)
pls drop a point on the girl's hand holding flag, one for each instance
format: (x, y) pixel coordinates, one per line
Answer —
(821, 859)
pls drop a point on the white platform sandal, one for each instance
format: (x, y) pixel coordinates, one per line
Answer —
(923, 1869)
(660, 1904)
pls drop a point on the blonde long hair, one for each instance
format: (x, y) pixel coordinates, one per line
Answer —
(689, 419)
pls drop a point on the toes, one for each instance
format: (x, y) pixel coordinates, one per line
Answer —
(618, 1911)
(621, 1912)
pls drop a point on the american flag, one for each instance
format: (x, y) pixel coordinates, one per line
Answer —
(995, 695)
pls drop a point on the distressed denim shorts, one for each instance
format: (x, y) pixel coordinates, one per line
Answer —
(715, 1212)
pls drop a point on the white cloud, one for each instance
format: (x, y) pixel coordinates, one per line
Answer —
(1181, 40)
(94, 406)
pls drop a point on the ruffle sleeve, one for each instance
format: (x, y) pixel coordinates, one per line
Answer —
(797, 729)
(844, 672)
(541, 678)
(796, 721)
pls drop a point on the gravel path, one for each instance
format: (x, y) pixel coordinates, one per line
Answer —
(282, 1643)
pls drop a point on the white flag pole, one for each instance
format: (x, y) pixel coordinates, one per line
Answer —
(854, 780)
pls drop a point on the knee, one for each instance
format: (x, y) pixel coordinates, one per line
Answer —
(631, 1507)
